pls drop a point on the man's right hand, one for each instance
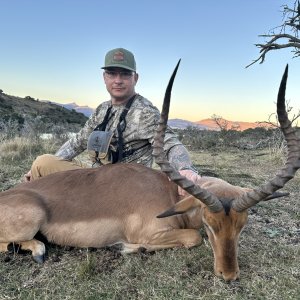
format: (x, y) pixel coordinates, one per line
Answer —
(27, 176)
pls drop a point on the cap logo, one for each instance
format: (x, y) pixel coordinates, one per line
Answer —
(118, 56)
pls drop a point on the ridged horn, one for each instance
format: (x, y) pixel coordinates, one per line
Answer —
(292, 163)
(212, 202)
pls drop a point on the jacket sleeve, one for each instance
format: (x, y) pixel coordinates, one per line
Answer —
(176, 153)
(78, 143)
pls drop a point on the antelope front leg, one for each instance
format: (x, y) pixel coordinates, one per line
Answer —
(177, 238)
(167, 239)
(3, 247)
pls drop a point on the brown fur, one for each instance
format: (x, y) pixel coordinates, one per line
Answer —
(90, 207)
(223, 228)
(111, 205)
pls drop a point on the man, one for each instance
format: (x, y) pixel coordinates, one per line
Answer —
(121, 129)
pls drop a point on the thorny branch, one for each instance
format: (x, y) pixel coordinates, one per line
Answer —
(220, 122)
(285, 35)
(288, 110)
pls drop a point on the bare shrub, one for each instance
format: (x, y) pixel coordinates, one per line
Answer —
(60, 133)
(34, 127)
(277, 145)
(8, 129)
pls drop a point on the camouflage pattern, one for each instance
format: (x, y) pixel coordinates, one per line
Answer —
(141, 122)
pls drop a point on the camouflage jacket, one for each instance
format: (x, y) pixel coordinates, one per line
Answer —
(141, 122)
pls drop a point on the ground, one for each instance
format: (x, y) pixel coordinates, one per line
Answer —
(269, 251)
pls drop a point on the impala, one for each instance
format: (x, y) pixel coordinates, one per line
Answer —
(133, 207)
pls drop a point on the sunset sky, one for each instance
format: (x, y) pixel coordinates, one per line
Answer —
(53, 50)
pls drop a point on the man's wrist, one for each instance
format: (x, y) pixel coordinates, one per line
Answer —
(190, 168)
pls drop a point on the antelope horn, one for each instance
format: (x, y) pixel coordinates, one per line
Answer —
(293, 160)
(203, 195)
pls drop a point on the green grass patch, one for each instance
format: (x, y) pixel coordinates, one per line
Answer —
(269, 248)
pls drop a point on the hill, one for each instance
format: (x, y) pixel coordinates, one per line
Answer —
(86, 110)
(183, 124)
(236, 125)
(22, 109)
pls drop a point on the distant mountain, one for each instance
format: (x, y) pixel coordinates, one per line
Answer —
(86, 110)
(210, 124)
(183, 124)
(236, 125)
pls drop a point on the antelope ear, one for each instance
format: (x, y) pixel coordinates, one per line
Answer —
(181, 207)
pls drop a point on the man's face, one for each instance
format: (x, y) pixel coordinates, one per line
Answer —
(120, 83)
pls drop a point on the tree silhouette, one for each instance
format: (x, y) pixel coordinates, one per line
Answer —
(285, 35)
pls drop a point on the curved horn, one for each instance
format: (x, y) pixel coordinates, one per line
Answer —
(203, 195)
(293, 160)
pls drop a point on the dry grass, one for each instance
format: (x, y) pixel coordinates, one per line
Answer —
(269, 252)
(16, 156)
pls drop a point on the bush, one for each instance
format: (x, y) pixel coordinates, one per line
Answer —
(8, 129)
(34, 127)
(29, 98)
(258, 138)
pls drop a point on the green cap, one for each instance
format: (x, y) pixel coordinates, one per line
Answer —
(119, 58)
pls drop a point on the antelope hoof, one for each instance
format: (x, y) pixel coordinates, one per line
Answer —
(39, 258)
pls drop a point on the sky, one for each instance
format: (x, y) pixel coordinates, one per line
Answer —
(54, 50)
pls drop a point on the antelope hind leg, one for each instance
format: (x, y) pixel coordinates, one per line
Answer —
(36, 247)
(22, 216)
(167, 239)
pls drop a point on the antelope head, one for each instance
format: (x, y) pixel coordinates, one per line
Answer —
(224, 206)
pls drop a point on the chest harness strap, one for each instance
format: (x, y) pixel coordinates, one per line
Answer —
(121, 127)
(116, 156)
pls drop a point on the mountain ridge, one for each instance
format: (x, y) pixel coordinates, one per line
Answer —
(205, 124)
(84, 109)
(16, 106)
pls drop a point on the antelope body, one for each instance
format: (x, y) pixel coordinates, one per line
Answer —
(111, 205)
(92, 208)
(119, 204)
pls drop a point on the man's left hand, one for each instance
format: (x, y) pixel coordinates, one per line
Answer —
(192, 176)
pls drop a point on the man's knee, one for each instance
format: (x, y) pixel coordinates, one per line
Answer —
(43, 165)
(44, 161)
(47, 164)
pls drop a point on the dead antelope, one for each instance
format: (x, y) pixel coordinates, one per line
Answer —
(118, 204)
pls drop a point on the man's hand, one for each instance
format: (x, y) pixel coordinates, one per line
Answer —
(192, 176)
(27, 176)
